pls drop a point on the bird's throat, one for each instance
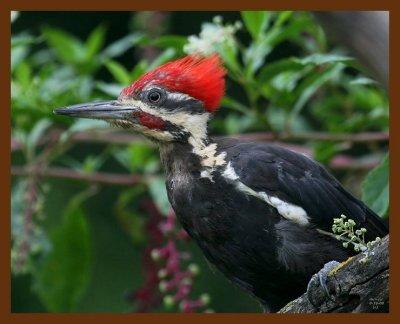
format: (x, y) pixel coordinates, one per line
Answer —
(199, 156)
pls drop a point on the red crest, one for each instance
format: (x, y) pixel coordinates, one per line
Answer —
(200, 77)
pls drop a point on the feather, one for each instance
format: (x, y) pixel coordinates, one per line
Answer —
(199, 77)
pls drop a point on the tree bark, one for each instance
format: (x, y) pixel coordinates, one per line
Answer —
(358, 285)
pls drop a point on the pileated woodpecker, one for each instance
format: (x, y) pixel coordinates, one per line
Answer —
(256, 210)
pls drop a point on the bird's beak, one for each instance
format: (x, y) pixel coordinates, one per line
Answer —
(106, 110)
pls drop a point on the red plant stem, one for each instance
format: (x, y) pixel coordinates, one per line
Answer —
(178, 279)
(148, 297)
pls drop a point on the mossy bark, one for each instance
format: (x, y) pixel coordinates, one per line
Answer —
(358, 285)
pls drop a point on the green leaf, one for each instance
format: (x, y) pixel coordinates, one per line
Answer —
(61, 276)
(158, 192)
(310, 85)
(112, 89)
(119, 73)
(87, 124)
(363, 81)
(23, 40)
(92, 163)
(95, 41)
(138, 158)
(174, 41)
(18, 55)
(278, 119)
(237, 124)
(256, 22)
(295, 64)
(164, 57)
(68, 48)
(375, 188)
(255, 54)
(324, 151)
(283, 16)
(292, 31)
(233, 104)
(83, 125)
(122, 45)
(319, 59)
(129, 218)
(35, 135)
(140, 68)
(84, 87)
(228, 52)
(287, 80)
(274, 68)
(23, 74)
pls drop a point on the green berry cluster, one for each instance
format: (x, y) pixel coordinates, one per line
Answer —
(345, 231)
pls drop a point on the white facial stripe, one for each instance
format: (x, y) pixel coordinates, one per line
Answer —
(285, 209)
(196, 123)
(178, 96)
(196, 126)
(160, 135)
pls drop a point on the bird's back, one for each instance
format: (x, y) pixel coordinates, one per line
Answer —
(300, 180)
(265, 248)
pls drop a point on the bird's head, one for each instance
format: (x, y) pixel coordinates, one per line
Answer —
(170, 103)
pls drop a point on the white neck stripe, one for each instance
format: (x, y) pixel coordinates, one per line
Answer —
(287, 210)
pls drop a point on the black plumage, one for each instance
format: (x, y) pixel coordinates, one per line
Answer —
(268, 255)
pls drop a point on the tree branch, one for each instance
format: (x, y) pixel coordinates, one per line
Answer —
(359, 285)
(119, 137)
(340, 162)
(66, 173)
(107, 136)
(317, 136)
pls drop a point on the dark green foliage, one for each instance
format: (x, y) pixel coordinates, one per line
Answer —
(86, 254)
(375, 188)
(61, 276)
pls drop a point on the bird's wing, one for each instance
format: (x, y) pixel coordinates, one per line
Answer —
(296, 179)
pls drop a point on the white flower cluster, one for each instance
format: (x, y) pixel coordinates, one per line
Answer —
(212, 38)
(345, 231)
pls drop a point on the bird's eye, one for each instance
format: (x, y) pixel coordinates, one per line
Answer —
(154, 96)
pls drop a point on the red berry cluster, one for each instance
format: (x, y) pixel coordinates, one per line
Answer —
(167, 272)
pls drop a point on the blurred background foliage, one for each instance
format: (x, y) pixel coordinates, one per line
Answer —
(88, 202)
